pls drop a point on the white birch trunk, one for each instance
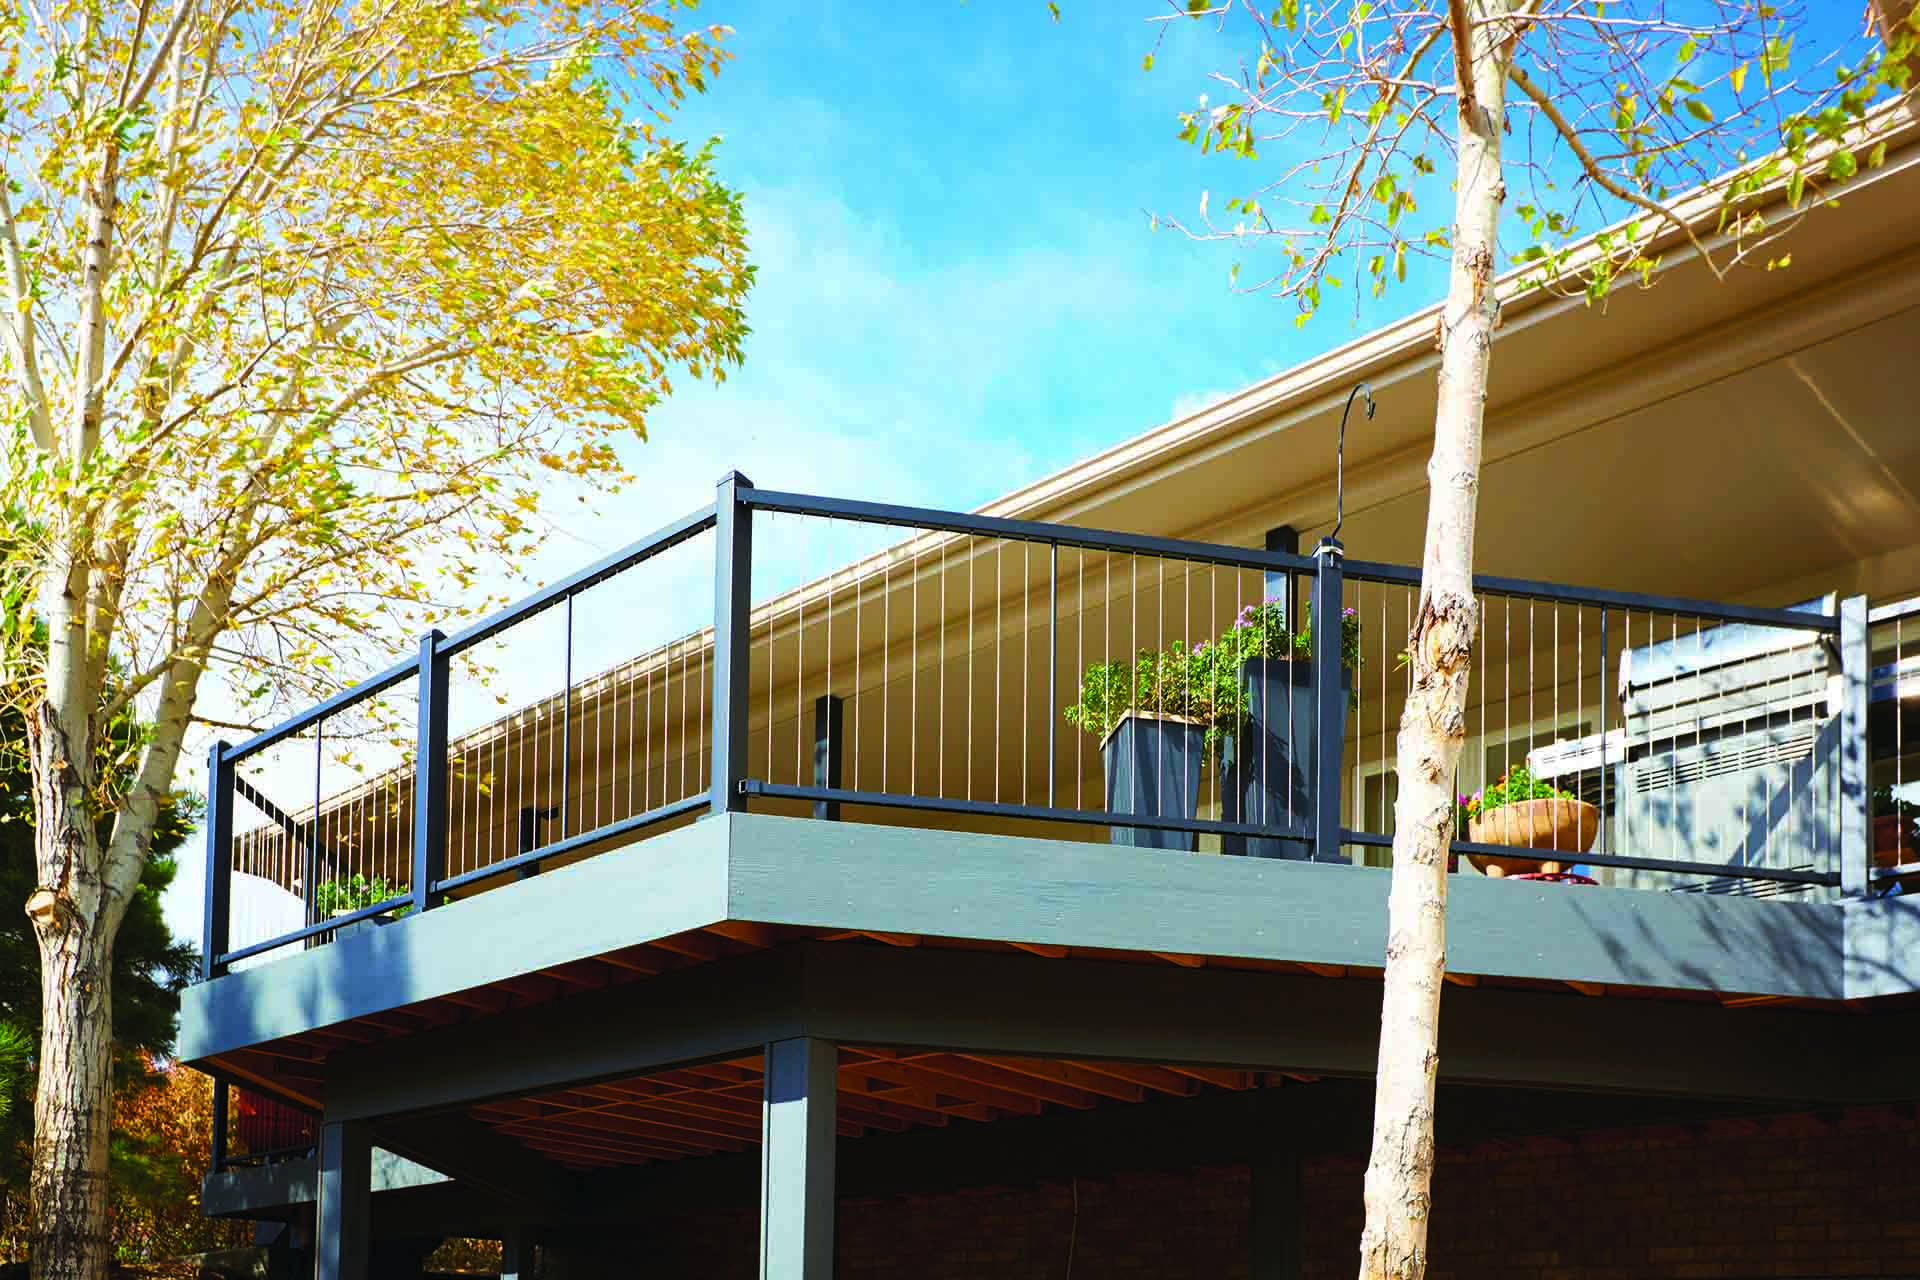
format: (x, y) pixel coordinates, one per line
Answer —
(74, 918)
(1433, 725)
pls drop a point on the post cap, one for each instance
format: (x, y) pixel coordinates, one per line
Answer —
(736, 478)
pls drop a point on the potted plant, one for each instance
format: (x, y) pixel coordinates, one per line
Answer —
(1159, 718)
(1528, 813)
(1896, 833)
(1268, 768)
(348, 894)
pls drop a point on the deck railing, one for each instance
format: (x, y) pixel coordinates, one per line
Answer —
(251, 1128)
(1723, 747)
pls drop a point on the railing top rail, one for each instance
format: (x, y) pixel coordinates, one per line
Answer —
(1533, 588)
(354, 693)
(1894, 611)
(662, 539)
(930, 518)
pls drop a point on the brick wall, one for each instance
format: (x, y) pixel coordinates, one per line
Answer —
(1171, 1226)
(1797, 1197)
(1792, 1197)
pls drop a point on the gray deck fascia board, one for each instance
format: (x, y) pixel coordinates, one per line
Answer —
(1883, 947)
(661, 886)
(269, 1188)
(858, 876)
(1063, 893)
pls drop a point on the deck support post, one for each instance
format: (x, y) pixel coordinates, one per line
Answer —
(1274, 1213)
(517, 1256)
(1856, 795)
(732, 641)
(1279, 584)
(829, 715)
(214, 935)
(796, 1160)
(430, 772)
(1330, 700)
(221, 1105)
(343, 1215)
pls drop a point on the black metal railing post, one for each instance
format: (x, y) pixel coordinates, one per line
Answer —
(430, 773)
(1856, 800)
(829, 719)
(215, 934)
(1330, 703)
(219, 1153)
(732, 643)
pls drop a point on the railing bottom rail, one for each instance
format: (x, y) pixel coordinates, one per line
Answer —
(1537, 853)
(1025, 812)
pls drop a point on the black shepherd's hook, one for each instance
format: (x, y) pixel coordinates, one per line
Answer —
(1340, 456)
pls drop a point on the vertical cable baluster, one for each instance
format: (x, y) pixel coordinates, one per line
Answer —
(913, 678)
(1554, 730)
(1053, 663)
(940, 718)
(1506, 697)
(999, 633)
(1212, 629)
(859, 689)
(1026, 669)
(886, 667)
(313, 827)
(1602, 695)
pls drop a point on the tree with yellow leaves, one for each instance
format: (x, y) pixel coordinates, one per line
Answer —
(302, 306)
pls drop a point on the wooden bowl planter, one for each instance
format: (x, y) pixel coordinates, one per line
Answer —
(1153, 771)
(1894, 843)
(1559, 823)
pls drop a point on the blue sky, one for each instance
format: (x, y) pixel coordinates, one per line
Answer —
(959, 290)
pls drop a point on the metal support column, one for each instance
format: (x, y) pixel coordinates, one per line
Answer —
(517, 1256)
(796, 1160)
(529, 834)
(1856, 801)
(430, 773)
(1278, 583)
(1330, 703)
(220, 1104)
(345, 1207)
(1275, 1211)
(214, 936)
(829, 717)
(732, 641)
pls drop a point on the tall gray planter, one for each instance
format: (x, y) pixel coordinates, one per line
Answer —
(1153, 771)
(1267, 769)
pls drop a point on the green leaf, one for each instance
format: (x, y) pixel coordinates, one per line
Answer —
(1738, 77)
(1699, 111)
(1146, 63)
(1796, 187)
(1841, 165)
